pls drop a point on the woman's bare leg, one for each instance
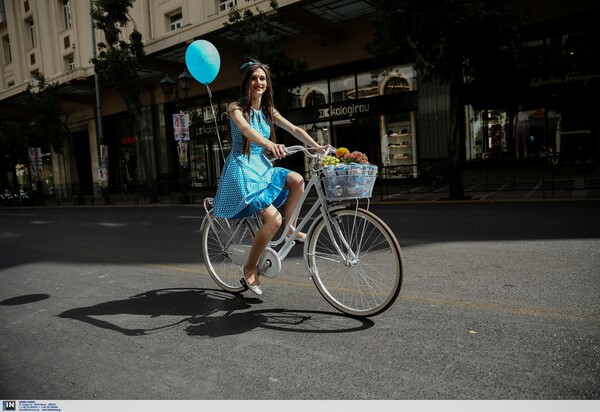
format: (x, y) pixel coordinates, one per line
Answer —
(295, 184)
(271, 223)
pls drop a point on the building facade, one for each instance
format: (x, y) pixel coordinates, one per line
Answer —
(401, 123)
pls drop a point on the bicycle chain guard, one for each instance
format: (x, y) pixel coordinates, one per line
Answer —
(269, 263)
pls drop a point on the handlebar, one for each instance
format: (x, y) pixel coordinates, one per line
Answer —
(290, 150)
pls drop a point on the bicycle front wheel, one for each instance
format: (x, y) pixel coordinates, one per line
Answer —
(217, 235)
(356, 262)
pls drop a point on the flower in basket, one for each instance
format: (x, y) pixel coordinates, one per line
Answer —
(329, 160)
(341, 152)
(355, 157)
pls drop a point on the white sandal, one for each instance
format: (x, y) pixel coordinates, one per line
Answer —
(244, 282)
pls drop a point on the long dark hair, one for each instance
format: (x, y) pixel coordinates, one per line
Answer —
(267, 105)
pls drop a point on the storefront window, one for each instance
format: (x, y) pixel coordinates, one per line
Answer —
(396, 85)
(522, 133)
(342, 88)
(368, 85)
(309, 94)
(399, 149)
(398, 79)
(320, 133)
(209, 142)
(359, 118)
(385, 81)
(373, 83)
(488, 133)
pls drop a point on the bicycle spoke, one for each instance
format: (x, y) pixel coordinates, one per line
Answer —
(356, 264)
(218, 234)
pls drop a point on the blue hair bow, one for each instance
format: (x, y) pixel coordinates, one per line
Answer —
(246, 65)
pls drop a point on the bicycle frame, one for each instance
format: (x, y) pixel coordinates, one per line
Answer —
(322, 207)
(351, 255)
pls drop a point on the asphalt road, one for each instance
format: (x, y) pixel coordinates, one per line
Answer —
(500, 301)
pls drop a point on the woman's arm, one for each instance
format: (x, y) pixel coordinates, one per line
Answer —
(235, 113)
(298, 132)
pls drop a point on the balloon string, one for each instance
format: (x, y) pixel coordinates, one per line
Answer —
(216, 124)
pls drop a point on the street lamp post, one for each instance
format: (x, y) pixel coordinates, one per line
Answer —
(168, 86)
(103, 166)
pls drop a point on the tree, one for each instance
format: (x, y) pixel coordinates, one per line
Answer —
(12, 139)
(262, 35)
(454, 41)
(118, 63)
(13, 146)
(49, 130)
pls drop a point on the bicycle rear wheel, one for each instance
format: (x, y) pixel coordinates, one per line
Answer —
(356, 262)
(217, 235)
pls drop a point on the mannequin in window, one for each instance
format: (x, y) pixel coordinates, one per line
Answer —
(521, 131)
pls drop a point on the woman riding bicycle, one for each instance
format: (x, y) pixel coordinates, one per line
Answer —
(249, 183)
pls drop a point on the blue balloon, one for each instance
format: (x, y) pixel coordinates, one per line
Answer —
(203, 61)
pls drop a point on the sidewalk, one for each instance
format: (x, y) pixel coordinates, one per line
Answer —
(384, 192)
(472, 194)
(517, 182)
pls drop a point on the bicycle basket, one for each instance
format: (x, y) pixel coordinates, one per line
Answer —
(353, 181)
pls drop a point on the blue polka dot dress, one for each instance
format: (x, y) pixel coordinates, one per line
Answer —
(249, 186)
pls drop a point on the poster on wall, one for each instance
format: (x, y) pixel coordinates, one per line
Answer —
(182, 151)
(39, 163)
(103, 168)
(35, 166)
(181, 126)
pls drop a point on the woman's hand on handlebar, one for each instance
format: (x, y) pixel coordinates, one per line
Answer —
(325, 149)
(276, 151)
(279, 151)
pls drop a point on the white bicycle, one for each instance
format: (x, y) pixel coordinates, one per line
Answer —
(352, 256)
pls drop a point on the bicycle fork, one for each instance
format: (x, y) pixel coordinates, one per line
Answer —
(342, 242)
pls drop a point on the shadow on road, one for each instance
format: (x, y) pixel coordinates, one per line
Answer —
(206, 312)
(24, 299)
(170, 235)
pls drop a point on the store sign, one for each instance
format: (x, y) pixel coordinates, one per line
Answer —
(344, 110)
(210, 129)
(128, 140)
(393, 103)
(583, 78)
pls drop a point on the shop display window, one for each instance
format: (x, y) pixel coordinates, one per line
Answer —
(519, 133)
(488, 132)
(398, 145)
(349, 87)
(206, 159)
(309, 94)
(320, 133)
(368, 85)
(342, 88)
(387, 139)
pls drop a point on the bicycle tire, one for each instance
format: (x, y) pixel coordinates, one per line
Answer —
(216, 232)
(367, 281)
